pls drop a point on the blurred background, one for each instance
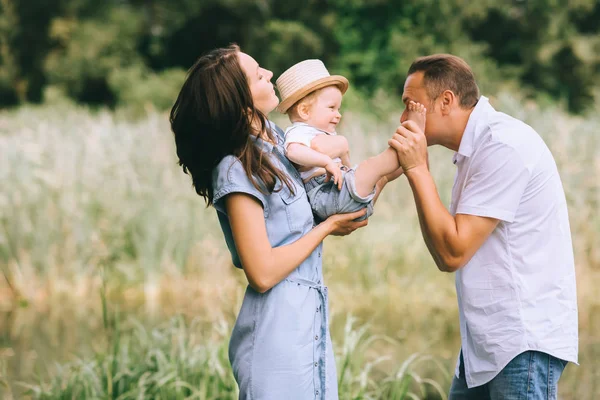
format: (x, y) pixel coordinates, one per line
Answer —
(116, 282)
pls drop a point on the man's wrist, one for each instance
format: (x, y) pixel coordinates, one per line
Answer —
(416, 171)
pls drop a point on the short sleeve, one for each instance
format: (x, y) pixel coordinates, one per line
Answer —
(300, 134)
(230, 177)
(495, 182)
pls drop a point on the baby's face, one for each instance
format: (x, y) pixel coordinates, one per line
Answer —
(324, 112)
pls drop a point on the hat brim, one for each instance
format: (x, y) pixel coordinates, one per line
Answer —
(333, 80)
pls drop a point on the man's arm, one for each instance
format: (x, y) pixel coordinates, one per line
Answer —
(452, 241)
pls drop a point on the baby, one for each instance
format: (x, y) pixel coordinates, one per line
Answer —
(312, 99)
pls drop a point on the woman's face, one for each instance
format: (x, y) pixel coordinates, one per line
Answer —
(261, 87)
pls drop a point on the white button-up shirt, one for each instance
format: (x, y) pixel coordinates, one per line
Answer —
(518, 291)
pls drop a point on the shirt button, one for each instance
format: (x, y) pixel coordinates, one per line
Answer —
(319, 254)
(316, 364)
(317, 392)
(317, 337)
(317, 309)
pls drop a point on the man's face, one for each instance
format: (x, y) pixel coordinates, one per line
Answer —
(415, 91)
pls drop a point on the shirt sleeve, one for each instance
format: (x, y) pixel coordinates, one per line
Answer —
(300, 134)
(230, 177)
(495, 183)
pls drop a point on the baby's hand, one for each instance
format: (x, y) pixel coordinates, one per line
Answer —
(334, 172)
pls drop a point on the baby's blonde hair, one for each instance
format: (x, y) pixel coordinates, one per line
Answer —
(307, 100)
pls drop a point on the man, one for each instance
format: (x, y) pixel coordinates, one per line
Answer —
(506, 236)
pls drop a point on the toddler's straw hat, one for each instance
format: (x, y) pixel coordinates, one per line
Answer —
(304, 78)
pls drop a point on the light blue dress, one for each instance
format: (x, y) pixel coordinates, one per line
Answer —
(280, 346)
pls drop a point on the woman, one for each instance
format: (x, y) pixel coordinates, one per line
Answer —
(280, 346)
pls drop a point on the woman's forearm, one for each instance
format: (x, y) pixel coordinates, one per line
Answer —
(264, 265)
(283, 260)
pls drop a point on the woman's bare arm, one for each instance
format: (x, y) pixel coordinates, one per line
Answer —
(266, 266)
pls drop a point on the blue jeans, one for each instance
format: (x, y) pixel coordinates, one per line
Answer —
(326, 200)
(531, 375)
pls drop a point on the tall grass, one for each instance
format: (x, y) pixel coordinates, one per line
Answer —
(173, 361)
(93, 200)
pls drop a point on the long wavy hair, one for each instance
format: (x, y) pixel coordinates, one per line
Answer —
(214, 116)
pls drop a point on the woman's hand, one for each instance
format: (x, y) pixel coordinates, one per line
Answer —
(344, 224)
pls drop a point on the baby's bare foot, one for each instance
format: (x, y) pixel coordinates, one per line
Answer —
(416, 113)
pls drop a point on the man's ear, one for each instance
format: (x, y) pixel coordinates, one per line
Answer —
(448, 101)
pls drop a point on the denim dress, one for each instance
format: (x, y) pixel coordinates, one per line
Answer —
(280, 347)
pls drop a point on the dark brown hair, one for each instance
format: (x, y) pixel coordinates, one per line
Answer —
(213, 117)
(447, 72)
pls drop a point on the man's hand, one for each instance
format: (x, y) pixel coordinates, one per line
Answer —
(411, 145)
(334, 172)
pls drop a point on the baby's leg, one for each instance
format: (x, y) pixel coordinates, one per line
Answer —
(373, 169)
(386, 164)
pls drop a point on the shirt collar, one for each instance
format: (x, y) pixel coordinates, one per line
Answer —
(473, 129)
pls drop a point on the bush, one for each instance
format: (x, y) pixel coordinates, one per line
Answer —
(136, 87)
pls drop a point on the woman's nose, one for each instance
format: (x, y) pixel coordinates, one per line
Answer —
(403, 116)
(269, 74)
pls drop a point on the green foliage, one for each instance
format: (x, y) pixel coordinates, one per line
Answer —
(137, 87)
(288, 42)
(11, 88)
(180, 360)
(551, 43)
(541, 46)
(173, 361)
(90, 51)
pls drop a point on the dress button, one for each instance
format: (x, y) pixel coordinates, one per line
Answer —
(317, 337)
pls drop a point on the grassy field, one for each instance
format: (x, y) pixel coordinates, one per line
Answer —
(116, 282)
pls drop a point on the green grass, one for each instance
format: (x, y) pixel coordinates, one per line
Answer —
(172, 361)
(95, 217)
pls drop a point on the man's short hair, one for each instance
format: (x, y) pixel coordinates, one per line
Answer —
(447, 72)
